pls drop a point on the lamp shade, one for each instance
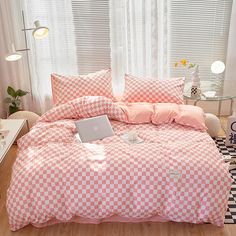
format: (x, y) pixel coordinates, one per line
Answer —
(13, 55)
(217, 67)
(40, 32)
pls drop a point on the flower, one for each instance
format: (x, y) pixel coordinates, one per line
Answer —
(184, 62)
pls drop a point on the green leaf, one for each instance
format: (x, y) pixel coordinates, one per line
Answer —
(18, 102)
(13, 109)
(13, 104)
(21, 93)
(8, 100)
(191, 65)
(11, 91)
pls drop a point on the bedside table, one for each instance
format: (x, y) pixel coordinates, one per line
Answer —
(223, 90)
(13, 128)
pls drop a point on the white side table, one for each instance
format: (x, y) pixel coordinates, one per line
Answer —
(13, 128)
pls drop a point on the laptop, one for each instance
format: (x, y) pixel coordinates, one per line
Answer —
(94, 128)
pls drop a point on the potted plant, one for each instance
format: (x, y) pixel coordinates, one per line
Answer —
(14, 99)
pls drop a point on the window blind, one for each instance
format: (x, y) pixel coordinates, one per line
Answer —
(92, 34)
(199, 33)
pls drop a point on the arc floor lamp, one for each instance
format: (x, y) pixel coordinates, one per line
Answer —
(38, 32)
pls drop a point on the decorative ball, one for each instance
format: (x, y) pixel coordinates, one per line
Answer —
(213, 124)
(30, 118)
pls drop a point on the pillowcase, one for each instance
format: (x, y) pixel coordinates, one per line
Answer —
(147, 90)
(66, 88)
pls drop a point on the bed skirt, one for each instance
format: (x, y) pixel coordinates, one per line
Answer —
(114, 218)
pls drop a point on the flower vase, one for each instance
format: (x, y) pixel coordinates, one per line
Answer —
(195, 89)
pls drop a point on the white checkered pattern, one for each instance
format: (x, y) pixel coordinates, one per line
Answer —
(67, 88)
(149, 90)
(85, 107)
(57, 177)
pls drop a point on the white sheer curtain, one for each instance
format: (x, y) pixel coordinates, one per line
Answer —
(148, 37)
(14, 74)
(56, 53)
(139, 39)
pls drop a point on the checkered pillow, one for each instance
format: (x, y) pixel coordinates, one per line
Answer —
(66, 88)
(149, 90)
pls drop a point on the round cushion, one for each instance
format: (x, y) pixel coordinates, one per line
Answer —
(30, 118)
(213, 124)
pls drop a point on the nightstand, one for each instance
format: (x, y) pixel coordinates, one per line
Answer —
(221, 90)
(11, 129)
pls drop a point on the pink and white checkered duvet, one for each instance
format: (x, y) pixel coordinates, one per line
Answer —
(177, 173)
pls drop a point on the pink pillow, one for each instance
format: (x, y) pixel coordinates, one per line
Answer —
(148, 90)
(164, 113)
(67, 88)
(191, 116)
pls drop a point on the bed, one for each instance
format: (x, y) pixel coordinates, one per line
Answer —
(176, 174)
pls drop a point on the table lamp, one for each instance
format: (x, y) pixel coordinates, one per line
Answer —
(217, 68)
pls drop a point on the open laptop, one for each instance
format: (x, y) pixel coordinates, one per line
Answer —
(95, 128)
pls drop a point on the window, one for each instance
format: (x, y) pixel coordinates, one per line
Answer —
(92, 34)
(80, 30)
(198, 32)
(85, 35)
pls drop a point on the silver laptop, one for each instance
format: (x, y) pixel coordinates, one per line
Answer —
(94, 128)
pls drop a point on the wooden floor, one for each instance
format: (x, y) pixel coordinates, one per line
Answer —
(105, 229)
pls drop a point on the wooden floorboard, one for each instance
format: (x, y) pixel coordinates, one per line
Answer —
(104, 229)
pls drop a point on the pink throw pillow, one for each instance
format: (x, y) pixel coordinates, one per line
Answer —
(66, 88)
(148, 90)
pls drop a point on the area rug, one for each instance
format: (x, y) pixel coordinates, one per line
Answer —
(229, 152)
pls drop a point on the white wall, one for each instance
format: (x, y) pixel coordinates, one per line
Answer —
(230, 72)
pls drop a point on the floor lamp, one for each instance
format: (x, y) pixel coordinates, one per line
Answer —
(38, 32)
